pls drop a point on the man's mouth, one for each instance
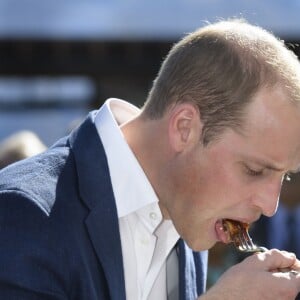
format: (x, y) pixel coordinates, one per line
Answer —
(228, 230)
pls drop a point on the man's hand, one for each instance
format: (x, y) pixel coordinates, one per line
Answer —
(260, 276)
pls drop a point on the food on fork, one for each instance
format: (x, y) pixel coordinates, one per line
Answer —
(237, 233)
(234, 230)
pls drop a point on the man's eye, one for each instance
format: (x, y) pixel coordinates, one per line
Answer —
(253, 172)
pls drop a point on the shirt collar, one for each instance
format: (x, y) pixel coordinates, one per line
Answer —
(131, 187)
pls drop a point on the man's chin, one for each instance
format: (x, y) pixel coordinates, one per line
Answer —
(200, 245)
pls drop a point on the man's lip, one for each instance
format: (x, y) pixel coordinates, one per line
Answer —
(248, 221)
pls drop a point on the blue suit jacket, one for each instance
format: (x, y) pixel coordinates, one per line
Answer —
(59, 229)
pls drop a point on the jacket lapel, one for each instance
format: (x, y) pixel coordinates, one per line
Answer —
(96, 191)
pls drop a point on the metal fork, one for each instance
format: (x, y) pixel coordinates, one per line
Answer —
(243, 242)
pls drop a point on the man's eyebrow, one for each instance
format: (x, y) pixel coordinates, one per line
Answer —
(272, 167)
(267, 165)
(295, 171)
(278, 169)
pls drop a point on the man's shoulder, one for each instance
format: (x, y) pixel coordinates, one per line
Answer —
(36, 177)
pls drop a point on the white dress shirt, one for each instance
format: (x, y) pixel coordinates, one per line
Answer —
(146, 238)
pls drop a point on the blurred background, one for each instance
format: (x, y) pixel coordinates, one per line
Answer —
(59, 59)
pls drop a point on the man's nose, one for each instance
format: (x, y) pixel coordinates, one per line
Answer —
(268, 197)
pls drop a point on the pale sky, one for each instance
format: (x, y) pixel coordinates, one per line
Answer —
(138, 19)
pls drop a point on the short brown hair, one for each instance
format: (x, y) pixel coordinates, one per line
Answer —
(219, 68)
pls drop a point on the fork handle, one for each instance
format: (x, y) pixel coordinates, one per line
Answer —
(261, 249)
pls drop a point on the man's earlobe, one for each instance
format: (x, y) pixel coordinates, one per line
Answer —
(184, 125)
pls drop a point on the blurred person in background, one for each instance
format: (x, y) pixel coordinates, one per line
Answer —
(126, 206)
(282, 231)
(18, 146)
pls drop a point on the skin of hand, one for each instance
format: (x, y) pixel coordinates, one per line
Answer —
(258, 277)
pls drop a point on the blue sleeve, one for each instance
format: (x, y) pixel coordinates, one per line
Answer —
(32, 265)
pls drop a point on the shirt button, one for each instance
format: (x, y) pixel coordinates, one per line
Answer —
(153, 216)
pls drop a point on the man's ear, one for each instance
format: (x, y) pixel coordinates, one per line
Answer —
(184, 126)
